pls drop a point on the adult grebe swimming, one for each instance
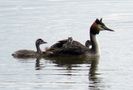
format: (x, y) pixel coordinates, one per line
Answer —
(30, 53)
(72, 47)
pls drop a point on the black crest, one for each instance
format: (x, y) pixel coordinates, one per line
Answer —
(99, 21)
(94, 30)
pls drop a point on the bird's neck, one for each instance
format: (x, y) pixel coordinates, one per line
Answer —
(38, 49)
(95, 48)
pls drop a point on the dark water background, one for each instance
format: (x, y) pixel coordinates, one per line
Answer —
(23, 21)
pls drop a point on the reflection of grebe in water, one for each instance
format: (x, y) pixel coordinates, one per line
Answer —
(72, 64)
(94, 80)
(68, 62)
(72, 47)
(37, 64)
(30, 53)
(93, 69)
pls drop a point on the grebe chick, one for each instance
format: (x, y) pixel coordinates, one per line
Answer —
(68, 43)
(88, 44)
(30, 53)
(76, 48)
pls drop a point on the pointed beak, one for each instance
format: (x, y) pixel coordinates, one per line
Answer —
(107, 29)
(44, 42)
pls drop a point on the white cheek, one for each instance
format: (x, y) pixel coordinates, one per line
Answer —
(100, 27)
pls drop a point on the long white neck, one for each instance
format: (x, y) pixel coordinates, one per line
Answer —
(95, 48)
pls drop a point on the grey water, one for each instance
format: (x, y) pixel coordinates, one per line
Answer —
(23, 21)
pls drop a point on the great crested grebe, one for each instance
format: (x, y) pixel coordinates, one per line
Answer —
(30, 53)
(72, 47)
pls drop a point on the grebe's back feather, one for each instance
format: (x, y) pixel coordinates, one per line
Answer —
(61, 47)
(25, 54)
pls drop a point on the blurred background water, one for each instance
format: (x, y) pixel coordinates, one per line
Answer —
(23, 21)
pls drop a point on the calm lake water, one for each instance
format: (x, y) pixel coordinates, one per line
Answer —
(23, 21)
